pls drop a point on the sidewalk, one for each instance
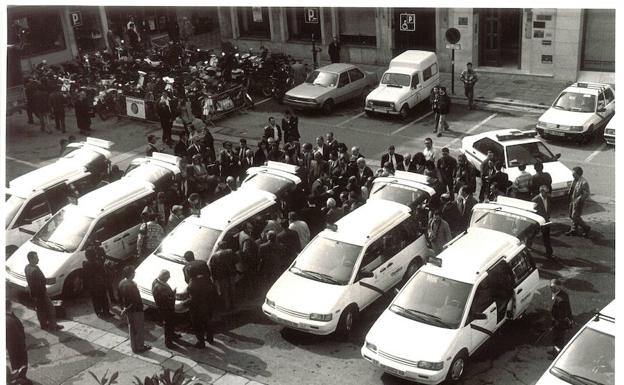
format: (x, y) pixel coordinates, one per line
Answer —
(84, 349)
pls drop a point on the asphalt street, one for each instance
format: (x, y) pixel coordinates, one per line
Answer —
(251, 345)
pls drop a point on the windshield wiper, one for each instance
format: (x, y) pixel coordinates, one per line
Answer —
(176, 257)
(50, 244)
(315, 276)
(582, 379)
(435, 318)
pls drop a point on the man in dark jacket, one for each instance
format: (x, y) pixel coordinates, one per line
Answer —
(83, 117)
(164, 297)
(15, 340)
(544, 207)
(41, 102)
(540, 178)
(272, 130)
(334, 50)
(465, 202)
(223, 271)
(450, 213)
(396, 160)
(562, 316)
(164, 108)
(446, 166)
(193, 267)
(290, 127)
(132, 309)
(202, 294)
(289, 239)
(36, 281)
(464, 174)
(181, 148)
(271, 254)
(444, 107)
(95, 280)
(29, 93)
(57, 102)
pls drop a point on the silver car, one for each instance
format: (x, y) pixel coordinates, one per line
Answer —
(331, 85)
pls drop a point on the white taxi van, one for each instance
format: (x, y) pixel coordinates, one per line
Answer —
(514, 147)
(221, 220)
(344, 269)
(33, 198)
(453, 304)
(589, 357)
(407, 82)
(579, 111)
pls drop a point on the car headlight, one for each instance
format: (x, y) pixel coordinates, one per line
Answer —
(576, 128)
(320, 317)
(369, 103)
(541, 124)
(50, 281)
(183, 296)
(610, 131)
(269, 302)
(371, 347)
(430, 365)
(392, 105)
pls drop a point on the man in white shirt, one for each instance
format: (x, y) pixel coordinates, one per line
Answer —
(300, 227)
(430, 152)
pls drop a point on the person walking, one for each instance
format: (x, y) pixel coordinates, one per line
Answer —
(430, 153)
(83, 117)
(164, 298)
(465, 202)
(57, 102)
(334, 50)
(15, 340)
(561, 313)
(543, 206)
(434, 101)
(486, 172)
(95, 280)
(46, 314)
(166, 116)
(438, 232)
(132, 309)
(290, 127)
(202, 295)
(469, 78)
(29, 93)
(579, 193)
(444, 107)
(42, 106)
(446, 166)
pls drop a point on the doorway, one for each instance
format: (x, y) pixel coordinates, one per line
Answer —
(419, 34)
(500, 37)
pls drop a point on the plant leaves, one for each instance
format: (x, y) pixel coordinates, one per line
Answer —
(138, 381)
(103, 381)
(113, 379)
(94, 376)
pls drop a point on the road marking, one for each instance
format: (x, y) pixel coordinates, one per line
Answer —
(593, 154)
(475, 127)
(350, 119)
(413, 122)
(23, 162)
(262, 101)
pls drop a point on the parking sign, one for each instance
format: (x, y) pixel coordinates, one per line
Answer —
(311, 15)
(76, 18)
(408, 22)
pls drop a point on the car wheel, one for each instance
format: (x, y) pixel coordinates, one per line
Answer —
(412, 268)
(328, 107)
(267, 91)
(346, 322)
(456, 370)
(73, 285)
(9, 250)
(404, 112)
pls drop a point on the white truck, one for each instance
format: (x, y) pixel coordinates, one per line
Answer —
(406, 83)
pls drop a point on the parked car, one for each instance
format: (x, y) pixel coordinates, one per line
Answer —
(609, 133)
(579, 112)
(407, 82)
(331, 85)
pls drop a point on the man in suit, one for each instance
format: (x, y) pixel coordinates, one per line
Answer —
(464, 174)
(446, 166)
(438, 232)
(262, 153)
(334, 50)
(15, 340)
(222, 266)
(165, 113)
(396, 160)
(247, 161)
(152, 146)
(561, 314)
(271, 257)
(133, 310)
(272, 130)
(579, 193)
(57, 102)
(331, 142)
(465, 202)
(290, 127)
(322, 148)
(487, 170)
(543, 205)
(289, 239)
(95, 280)
(46, 314)
(364, 172)
(451, 214)
(202, 300)
(164, 297)
(181, 148)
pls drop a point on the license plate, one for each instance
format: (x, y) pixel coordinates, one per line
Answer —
(286, 322)
(556, 133)
(392, 370)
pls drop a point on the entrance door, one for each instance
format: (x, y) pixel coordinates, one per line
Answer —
(420, 35)
(499, 37)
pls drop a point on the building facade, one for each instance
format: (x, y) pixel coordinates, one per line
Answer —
(552, 42)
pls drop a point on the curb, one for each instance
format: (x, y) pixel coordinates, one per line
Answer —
(507, 102)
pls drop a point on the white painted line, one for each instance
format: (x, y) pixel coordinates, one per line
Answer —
(475, 127)
(262, 101)
(413, 122)
(593, 154)
(350, 119)
(23, 162)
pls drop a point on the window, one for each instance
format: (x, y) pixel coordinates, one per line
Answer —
(429, 72)
(528, 154)
(343, 80)
(355, 75)
(58, 196)
(254, 22)
(298, 29)
(106, 228)
(609, 95)
(37, 207)
(37, 30)
(601, 100)
(373, 257)
(357, 26)
(522, 265)
(484, 296)
(486, 144)
(415, 80)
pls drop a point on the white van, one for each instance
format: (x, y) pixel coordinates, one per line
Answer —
(221, 220)
(406, 83)
(344, 269)
(452, 305)
(33, 198)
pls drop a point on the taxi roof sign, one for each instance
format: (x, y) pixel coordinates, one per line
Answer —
(517, 203)
(167, 158)
(516, 134)
(290, 168)
(107, 144)
(412, 176)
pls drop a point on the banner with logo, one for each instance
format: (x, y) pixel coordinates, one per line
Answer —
(135, 107)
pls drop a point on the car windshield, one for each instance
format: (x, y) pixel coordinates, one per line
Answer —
(588, 359)
(528, 154)
(64, 231)
(268, 182)
(401, 194)
(576, 101)
(188, 236)
(327, 260)
(393, 79)
(320, 78)
(433, 300)
(11, 207)
(515, 225)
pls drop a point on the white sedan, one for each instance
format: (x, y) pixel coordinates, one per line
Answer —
(514, 147)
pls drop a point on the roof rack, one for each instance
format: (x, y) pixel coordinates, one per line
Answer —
(594, 86)
(516, 134)
(605, 317)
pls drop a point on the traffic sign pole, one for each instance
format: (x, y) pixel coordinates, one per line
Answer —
(453, 71)
(452, 37)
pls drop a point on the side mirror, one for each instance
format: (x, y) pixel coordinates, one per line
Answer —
(477, 316)
(557, 156)
(365, 274)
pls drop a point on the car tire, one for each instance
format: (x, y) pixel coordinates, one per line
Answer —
(328, 107)
(412, 268)
(456, 370)
(346, 322)
(73, 285)
(404, 112)
(9, 250)
(267, 91)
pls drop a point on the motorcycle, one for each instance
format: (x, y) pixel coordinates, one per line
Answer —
(282, 80)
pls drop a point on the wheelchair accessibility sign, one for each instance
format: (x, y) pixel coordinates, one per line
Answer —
(408, 22)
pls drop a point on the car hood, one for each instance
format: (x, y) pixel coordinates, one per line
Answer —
(549, 379)
(567, 118)
(308, 91)
(305, 295)
(411, 340)
(560, 173)
(50, 261)
(149, 269)
(388, 94)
